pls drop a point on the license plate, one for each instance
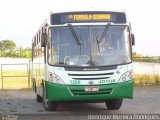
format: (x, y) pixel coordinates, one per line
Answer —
(91, 89)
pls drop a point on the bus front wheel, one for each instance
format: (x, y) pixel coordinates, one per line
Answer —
(49, 105)
(114, 104)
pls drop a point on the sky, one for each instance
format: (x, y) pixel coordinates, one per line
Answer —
(20, 19)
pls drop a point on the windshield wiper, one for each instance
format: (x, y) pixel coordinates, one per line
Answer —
(78, 41)
(102, 36)
(74, 34)
(97, 43)
(104, 33)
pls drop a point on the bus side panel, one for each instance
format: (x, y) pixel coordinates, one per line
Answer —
(38, 69)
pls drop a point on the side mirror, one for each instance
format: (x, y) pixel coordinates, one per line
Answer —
(132, 39)
(43, 39)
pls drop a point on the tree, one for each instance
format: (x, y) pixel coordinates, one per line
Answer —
(137, 54)
(7, 47)
(24, 52)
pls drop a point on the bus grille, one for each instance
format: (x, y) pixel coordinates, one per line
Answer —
(100, 92)
(91, 76)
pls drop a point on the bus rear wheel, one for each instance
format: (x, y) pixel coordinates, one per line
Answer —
(39, 98)
(114, 104)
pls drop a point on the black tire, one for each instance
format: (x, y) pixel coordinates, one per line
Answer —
(39, 98)
(49, 105)
(114, 104)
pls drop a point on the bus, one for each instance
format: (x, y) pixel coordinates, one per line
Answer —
(83, 56)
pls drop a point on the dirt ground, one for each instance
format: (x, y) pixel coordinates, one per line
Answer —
(23, 103)
(18, 101)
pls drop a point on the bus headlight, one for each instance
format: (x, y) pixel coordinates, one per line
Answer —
(54, 78)
(126, 76)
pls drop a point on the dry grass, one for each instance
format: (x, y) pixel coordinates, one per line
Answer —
(14, 82)
(146, 79)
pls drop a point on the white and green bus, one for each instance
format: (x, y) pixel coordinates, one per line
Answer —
(83, 56)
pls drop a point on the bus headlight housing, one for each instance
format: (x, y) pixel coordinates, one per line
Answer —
(126, 76)
(52, 77)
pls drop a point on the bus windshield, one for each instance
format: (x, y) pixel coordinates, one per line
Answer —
(85, 46)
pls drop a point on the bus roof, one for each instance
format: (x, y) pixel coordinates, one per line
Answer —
(85, 9)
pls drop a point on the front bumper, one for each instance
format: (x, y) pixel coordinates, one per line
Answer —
(59, 92)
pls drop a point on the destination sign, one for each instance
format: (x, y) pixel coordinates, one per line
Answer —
(82, 17)
(86, 17)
